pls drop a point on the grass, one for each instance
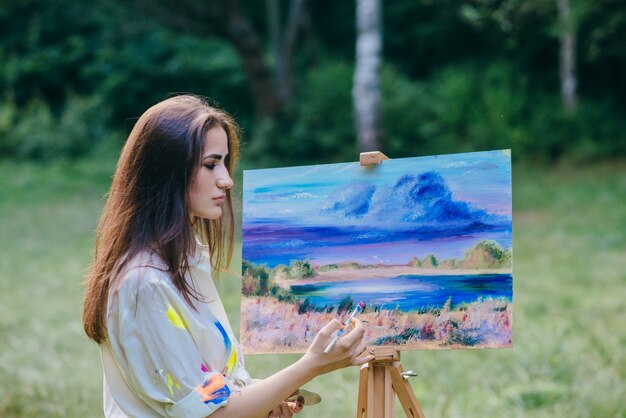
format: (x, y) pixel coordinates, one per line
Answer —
(569, 288)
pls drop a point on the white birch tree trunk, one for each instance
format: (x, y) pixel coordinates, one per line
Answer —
(567, 56)
(366, 93)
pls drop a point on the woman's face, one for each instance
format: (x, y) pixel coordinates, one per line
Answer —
(207, 193)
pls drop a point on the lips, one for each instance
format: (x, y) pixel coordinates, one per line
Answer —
(219, 199)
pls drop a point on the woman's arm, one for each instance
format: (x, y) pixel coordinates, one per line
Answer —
(259, 399)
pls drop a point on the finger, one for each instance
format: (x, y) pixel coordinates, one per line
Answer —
(359, 351)
(285, 411)
(354, 337)
(330, 329)
(356, 321)
(360, 355)
(358, 361)
(295, 406)
(274, 413)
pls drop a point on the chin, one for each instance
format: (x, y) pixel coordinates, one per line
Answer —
(214, 213)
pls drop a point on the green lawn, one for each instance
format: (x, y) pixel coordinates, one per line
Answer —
(569, 312)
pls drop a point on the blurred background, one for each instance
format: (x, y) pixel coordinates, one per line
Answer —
(317, 82)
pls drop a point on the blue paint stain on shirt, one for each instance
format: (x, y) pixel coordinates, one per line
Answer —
(222, 331)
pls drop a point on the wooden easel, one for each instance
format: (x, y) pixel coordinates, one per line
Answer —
(379, 380)
(383, 377)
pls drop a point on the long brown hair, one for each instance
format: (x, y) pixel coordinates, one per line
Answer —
(147, 205)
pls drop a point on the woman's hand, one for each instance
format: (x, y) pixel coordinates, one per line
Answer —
(345, 352)
(281, 411)
(296, 406)
(254, 399)
(287, 409)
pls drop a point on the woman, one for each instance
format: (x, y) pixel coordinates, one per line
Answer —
(167, 347)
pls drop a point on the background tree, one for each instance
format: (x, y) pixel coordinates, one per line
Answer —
(284, 41)
(461, 75)
(567, 55)
(366, 92)
(271, 85)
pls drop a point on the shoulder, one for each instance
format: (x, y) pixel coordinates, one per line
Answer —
(145, 271)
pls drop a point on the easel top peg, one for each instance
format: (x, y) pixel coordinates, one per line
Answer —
(371, 158)
(384, 354)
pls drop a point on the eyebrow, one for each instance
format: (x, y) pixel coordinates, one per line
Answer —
(214, 156)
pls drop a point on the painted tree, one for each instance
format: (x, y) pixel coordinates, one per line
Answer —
(487, 254)
(430, 261)
(366, 92)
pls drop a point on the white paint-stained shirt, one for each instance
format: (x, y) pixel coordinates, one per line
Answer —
(163, 358)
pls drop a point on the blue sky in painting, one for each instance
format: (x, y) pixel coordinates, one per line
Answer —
(446, 201)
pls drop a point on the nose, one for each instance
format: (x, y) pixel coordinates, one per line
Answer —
(225, 181)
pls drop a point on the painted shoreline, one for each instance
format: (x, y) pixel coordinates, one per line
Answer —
(381, 272)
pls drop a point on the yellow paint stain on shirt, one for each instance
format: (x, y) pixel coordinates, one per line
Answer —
(174, 318)
(170, 382)
(232, 361)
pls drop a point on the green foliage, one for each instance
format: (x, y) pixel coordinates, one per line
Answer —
(430, 261)
(258, 280)
(328, 267)
(283, 295)
(264, 284)
(462, 76)
(317, 126)
(466, 107)
(487, 254)
(39, 134)
(475, 107)
(303, 307)
(460, 109)
(170, 62)
(300, 269)
(75, 73)
(415, 262)
(345, 304)
(248, 285)
(448, 264)
(406, 335)
(281, 271)
(45, 45)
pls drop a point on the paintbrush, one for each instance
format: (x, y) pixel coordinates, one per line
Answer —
(358, 309)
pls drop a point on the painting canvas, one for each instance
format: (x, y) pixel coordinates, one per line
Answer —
(425, 243)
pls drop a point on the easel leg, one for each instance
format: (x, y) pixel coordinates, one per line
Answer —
(371, 393)
(390, 410)
(379, 382)
(383, 396)
(403, 389)
(361, 407)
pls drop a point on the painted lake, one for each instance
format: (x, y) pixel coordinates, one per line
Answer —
(409, 292)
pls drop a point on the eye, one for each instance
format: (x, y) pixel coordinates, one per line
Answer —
(210, 166)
